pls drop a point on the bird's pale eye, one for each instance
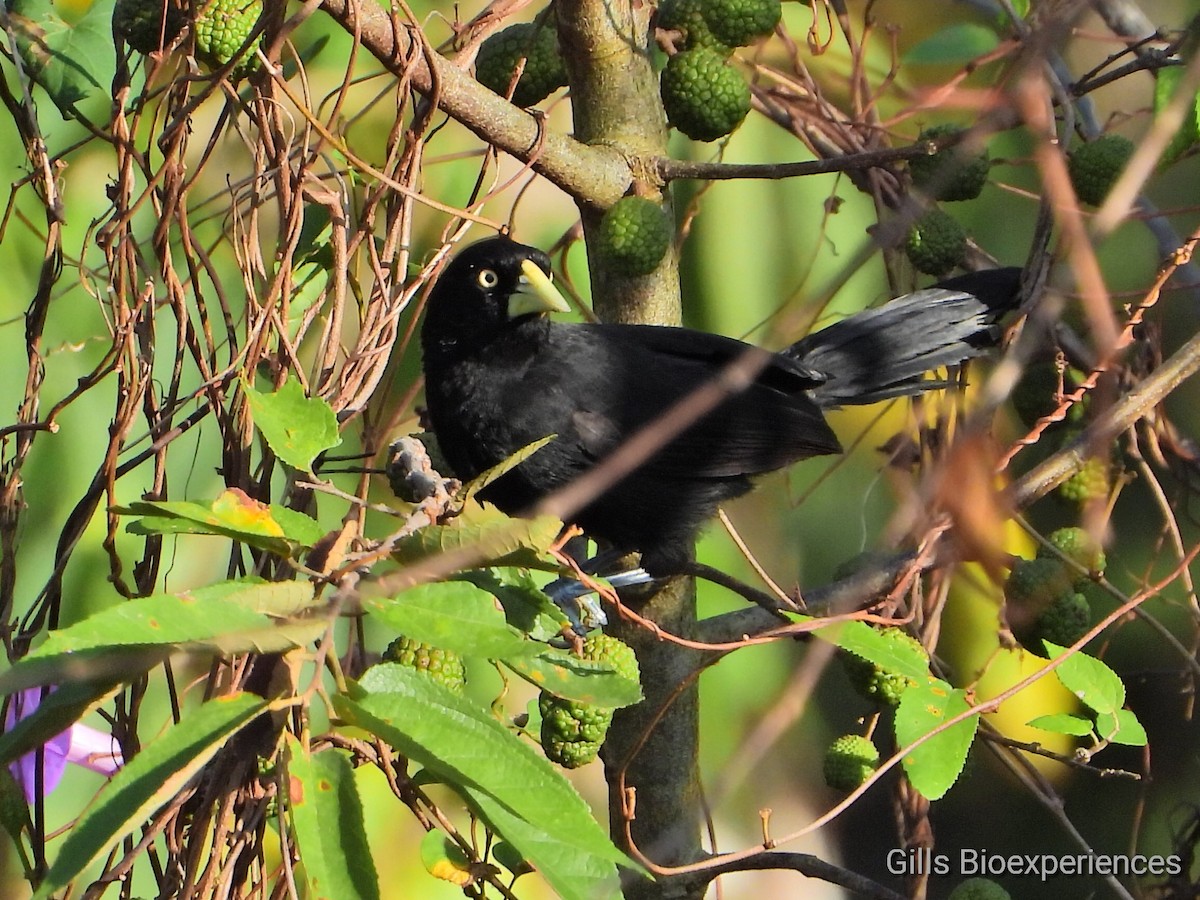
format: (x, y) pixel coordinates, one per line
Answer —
(488, 278)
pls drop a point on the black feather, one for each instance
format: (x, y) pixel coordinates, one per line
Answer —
(496, 383)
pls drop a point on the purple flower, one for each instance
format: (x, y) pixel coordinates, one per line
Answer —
(79, 744)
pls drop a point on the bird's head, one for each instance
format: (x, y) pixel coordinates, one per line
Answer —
(487, 285)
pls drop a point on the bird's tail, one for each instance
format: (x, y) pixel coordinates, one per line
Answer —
(886, 352)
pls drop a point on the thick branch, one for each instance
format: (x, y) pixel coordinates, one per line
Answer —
(592, 175)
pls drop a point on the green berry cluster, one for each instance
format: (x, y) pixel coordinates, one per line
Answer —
(949, 174)
(1078, 545)
(687, 17)
(1095, 166)
(222, 28)
(849, 762)
(572, 731)
(979, 889)
(719, 24)
(704, 97)
(873, 681)
(147, 25)
(936, 243)
(537, 44)
(443, 666)
(634, 235)
(1090, 482)
(1047, 599)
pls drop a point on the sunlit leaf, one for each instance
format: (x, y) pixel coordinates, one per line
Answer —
(297, 428)
(934, 766)
(337, 861)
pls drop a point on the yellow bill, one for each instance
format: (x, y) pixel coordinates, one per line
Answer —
(536, 293)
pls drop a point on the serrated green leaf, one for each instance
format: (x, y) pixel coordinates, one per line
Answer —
(70, 61)
(298, 428)
(862, 640)
(146, 782)
(934, 766)
(565, 675)
(1094, 683)
(526, 606)
(471, 751)
(453, 615)
(954, 45)
(1121, 727)
(1062, 723)
(337, 861)
(499, 541)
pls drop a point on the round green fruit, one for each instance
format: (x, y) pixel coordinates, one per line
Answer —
(147, 25)
(704, 97)
(849, 761)
(936, 243)
(634, 235)
(979, 889)
(443, 666)
(949, 174)
(222, 29)
(688, 18)
(738, 23)
(1095, 166)
(500, 54)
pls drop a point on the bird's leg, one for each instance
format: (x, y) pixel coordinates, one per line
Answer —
(575, 596)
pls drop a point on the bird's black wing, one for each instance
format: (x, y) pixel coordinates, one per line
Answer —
(628, 376)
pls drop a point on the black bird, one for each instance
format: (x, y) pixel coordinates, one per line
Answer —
(500, 375)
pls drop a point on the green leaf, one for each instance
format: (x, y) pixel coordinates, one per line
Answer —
(954, 45)
(234, 514)
(444, 859)
(146, 782)
(56, 712)
(70, 61)
(133, 636)
(862, 640)
(297, 428)
(471, 751)
(935, 765)
(1166, 82)
(453, 615)
(572, 875)
(1062, 723)
(489, 475)
(116, 665)
(1121, 727)
(566, 675)
(489, 540)
(526, 606)
(337, 861)
(1094, 683)
(272, 598)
